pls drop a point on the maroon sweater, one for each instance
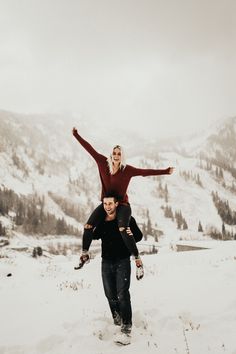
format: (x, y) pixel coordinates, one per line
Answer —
(117, 183)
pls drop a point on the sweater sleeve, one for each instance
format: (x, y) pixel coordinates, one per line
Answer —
(134, 171)
(89, 148)
(135, 230)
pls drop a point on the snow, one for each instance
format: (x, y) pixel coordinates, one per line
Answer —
(184, 304)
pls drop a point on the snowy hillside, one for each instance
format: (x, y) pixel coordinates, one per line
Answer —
(38, 154)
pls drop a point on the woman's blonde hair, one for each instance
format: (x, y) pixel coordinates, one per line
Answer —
(122, 163)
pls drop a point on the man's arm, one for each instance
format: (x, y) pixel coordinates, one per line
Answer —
(137, 234)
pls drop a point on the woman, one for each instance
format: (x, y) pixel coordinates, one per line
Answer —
(115, 176)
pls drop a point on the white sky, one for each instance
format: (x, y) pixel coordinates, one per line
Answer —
(157, 66)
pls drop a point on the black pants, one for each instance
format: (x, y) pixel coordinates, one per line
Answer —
(116, 283)
(123, 214)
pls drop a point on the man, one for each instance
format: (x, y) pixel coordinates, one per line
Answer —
(116, 269)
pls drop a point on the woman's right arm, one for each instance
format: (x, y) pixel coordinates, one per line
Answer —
(86, 145)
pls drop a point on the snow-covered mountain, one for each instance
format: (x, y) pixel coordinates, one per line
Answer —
(38, 155)
(48, 183)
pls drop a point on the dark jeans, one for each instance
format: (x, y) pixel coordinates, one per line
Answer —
(123, 214)
(116, 283)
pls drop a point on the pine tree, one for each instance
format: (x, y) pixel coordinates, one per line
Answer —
(198, 181)
(200, 229)
(20, 213)
(39, 251)
(166, 193)
(179, 223)
(149, 226)
(2, 230)
(34, 254)
(144, 231)
(221, 173)
(60, 227)
(223, 230)
(185, 226)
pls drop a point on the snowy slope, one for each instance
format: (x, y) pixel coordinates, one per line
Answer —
(49, 157)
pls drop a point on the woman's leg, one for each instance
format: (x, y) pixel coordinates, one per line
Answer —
(97, 216)
(123, 218)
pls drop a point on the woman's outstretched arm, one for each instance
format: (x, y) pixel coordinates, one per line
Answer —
(86, 145)
(150, 172)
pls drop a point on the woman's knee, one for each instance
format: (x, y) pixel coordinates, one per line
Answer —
(88, 226)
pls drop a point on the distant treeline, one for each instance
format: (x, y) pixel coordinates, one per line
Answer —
(223, 235)
(189, 175)
(28, 215)
(227, 215)
(219, 161)
(177, 216)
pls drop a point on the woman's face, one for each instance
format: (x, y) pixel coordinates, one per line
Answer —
(116, 156)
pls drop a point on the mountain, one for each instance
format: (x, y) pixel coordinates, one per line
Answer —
(38, 156)
(44, 170)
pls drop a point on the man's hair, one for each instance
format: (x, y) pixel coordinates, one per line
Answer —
(111, 195)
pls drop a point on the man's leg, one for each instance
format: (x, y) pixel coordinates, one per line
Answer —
(123, 271)
(109, 285)
(123, 213)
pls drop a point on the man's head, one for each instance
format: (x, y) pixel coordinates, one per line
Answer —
(110, 203)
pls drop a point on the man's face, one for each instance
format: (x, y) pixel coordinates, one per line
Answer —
(110, 205)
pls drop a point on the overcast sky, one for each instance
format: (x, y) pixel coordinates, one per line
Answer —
(158, 66)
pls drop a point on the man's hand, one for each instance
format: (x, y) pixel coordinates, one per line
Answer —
(129, 232)
(138, 262)
(84, 258)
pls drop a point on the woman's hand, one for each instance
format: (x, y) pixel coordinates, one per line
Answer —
(170, 170)
(74, 131)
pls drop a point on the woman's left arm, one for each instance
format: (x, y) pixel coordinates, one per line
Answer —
(150, 172)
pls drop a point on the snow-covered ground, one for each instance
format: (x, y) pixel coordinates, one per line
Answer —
(186, 303)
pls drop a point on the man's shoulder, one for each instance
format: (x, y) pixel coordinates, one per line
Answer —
(132, 219)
